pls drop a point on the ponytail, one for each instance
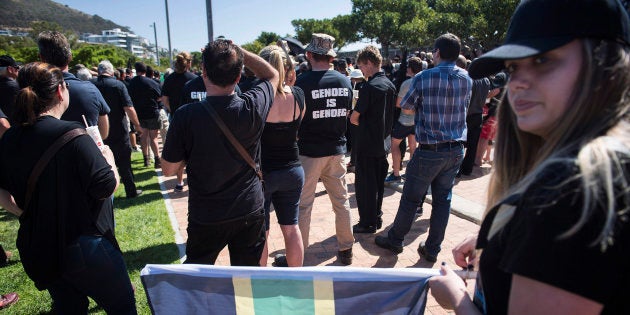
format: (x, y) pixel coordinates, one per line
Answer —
(39, 83)
(25, 103)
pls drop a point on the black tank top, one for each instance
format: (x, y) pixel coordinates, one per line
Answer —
(279, 140)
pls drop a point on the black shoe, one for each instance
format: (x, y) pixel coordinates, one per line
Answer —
(138, 193)
(422, 250)
(383, 241)
(178, 188)
(157, 163)
(419, 211)
(345, 256)
(280, 260)
(379, 223)
(358, 228)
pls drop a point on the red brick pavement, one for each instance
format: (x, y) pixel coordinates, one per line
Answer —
(323, 248)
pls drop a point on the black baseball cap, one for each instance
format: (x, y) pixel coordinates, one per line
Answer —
(8, 61)
(538, 26)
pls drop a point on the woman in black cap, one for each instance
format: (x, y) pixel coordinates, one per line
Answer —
(556, 236)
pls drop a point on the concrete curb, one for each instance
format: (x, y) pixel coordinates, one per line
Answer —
(460, 206)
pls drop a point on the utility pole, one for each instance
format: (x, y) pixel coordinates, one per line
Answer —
(157, 53)
(209, 17)
(168, 33)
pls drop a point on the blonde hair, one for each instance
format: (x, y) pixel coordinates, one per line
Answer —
(277, 58)
(597, 127)
(182, 62)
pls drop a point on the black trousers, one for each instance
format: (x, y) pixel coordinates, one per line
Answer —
(244, 237)
(122, 156)
(473, 124)
(370, 173)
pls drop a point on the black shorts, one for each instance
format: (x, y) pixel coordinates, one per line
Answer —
(151, 124)
(400, 132)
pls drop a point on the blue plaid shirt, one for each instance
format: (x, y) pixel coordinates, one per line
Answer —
(440, 97)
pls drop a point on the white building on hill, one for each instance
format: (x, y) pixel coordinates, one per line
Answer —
(137, 45)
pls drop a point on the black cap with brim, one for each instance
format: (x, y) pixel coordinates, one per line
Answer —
(538, 26)
(493, 61)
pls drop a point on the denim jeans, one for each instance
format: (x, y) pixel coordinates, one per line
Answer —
(437, 169)
(94, 268)
(283, 188)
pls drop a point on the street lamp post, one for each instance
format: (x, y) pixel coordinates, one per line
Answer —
(168, 33)
(157, 53)
(209, 16)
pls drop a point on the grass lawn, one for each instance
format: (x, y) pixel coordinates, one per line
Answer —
(142, 229)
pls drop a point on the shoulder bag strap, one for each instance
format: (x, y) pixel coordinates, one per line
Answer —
(228, 134)
(43, 161)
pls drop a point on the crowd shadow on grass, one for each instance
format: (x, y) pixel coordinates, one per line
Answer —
(158, 254)
(6, 216)
(146, 197)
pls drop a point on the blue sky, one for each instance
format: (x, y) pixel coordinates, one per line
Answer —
(240, 20)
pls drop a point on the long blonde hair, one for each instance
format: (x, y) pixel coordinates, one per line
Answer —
(597, 127)
(277, 58)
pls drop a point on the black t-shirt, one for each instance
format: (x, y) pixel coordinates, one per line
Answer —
(529, 245)
(173, 86)
(85, 100)
(116, 95)
(377, 99)
(2, 115)
(144, 93)
(279, 140)
(8, 91)
(195, 91)
(222, 185)
(328, 96)
(70, 197)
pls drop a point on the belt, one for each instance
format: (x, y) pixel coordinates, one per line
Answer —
(441, 145)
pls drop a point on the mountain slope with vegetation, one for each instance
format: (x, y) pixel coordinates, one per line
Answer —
(19, 14)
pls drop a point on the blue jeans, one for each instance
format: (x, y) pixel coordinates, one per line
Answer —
(435, 168)
(94, 268)
(283, 188)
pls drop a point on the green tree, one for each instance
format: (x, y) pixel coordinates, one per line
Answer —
(40, 26)
(267, 38)
(460, 17)
(91, 55)
(341, 27)
(496, 15)
(253, 47)
(196, 60)
(401, 22)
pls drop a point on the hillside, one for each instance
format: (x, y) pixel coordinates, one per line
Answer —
(18, 14)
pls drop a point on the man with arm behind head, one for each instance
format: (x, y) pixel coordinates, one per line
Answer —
(226, 201)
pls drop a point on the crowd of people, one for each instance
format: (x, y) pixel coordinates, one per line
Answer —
(260, 130)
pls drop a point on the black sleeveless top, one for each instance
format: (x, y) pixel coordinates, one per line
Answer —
(279, 140)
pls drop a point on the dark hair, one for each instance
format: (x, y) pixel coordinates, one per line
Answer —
(140, 67)
(449, 46)
(415, 64)
(222, 61)
(54, 48)
(320, 58)
(149, 72)
(38, 85)
(349, 60)
(128, 71)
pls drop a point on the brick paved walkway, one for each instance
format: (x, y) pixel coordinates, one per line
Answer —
(469, 192)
